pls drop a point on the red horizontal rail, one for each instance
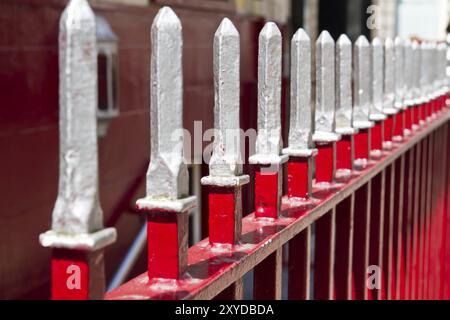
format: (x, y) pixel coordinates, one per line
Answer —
(211, 270)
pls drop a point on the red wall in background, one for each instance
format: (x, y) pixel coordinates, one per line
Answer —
(29, 122)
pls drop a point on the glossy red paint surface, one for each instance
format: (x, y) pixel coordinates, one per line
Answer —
(167, 244)
(376, 136)
(70, 275)
(325, 163)
(388, 128)
(416, 114)
(209, 270)
(362, 144)
(222, 217)
(399, 124)
(344, 153)
(408, 118)
(298, 176)
(267, 198)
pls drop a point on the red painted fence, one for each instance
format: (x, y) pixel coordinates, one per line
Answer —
(366, 211)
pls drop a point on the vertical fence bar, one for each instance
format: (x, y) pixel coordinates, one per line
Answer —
(389, 93)
(167, 203)
(376, 231)
(268, 161)
(399, 120)
(344, 108)
(77, 236)
(299, 266)
(376, 111)
(416, 222)
(423, 185)
(344, 248)
(388, 274)
(361, 241)
(325, 136)
(397, 227)
(362, 95)
(324, 256)
(301, 153)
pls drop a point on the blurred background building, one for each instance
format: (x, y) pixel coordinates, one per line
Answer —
(29, 104)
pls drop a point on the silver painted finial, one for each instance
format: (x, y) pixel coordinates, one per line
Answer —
(389, 78)
(226, 157)
(325, 113)
(167, 175)
(399, 50)
(377, 71)
(344, 101)
(362, 83)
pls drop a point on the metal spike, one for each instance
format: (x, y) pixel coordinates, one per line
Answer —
(362, 84)
(416, 52)
(433, 69)
(226, 157)
(399, 73)
(389, 78)
(325, 122)
(408, 74)
(300, 130)
(167, 176)
(424, 71)
(443, 67)
(77, 209)
(344, 103)
(376, 113)
(268, 142)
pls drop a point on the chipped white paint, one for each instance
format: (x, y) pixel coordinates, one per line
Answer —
(300, 129)
(325, 113)
(344, 101)
(362, 84)
(77, 219)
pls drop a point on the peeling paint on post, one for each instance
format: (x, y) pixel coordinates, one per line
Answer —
(167, 202)
(376, 113)
(77, 236)
(325, 136)
(301, 147)
(344, 108)
(389, 93)
(362, 99)
(225, 168)
(268, 158)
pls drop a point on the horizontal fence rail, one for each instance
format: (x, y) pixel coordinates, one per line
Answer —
(365, 215)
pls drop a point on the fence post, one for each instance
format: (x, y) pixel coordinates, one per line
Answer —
(77, 236)
(268, 158)
(376, 112)
(389, 93)
(300, 149)
(324, 135)
(362, 110)
(416, 95)
(424, 84)
(409, 84)
(225, 168)
(399, 120)
(167, 203)
(344, 108)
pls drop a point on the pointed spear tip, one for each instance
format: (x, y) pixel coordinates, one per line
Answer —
(301, 36)
(343, 40)
(362, 42)
(166, 19)
(325, 37)
(399, 41)
(79, 9)
(376, 42)
(388, 43)
(226, 28)
(270, 30)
